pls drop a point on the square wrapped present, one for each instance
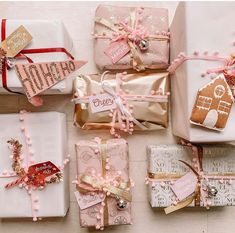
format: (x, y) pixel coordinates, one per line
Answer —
(131, 37)
(174, 166)
(197, 61)
(103, 182)
(39, 50)
(122, 102)
(34, 153)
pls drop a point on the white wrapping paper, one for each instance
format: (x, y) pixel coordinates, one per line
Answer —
(46, 34)
(48, 135)
(199, 26)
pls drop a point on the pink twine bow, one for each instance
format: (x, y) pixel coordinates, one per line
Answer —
(122, 114)
(133, 34)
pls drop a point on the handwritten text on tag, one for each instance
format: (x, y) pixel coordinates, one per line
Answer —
(101, 102)
(87, 200)
(117, 50)
(16, 41)
(185, 186)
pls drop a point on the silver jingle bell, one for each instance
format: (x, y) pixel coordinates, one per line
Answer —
(143, 45)
(121, 204)
(212, 191)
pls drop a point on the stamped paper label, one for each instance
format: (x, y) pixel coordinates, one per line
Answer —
(17, 41)
(185, 186)
(87, 200)
(38, 77)
(117, 50)
(101, 102)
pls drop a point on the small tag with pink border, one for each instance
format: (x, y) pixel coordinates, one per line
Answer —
(87, 200)
(185, 186)
(117, 50)
(101, 102)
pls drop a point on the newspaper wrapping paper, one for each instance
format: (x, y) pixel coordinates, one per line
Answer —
(164, 159)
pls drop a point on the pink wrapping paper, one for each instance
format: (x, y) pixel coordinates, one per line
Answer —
(88, 160)
(154, 20)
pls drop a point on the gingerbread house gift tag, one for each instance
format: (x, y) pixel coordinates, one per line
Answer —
(213, 104)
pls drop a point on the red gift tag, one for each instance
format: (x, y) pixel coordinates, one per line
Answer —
(37, 173)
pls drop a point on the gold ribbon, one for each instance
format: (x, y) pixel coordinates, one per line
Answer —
(136, 61)
(101, 186)
(195, 196)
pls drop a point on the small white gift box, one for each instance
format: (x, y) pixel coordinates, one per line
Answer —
(46, 34)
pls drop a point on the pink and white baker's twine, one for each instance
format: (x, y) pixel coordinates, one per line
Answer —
(122, 114)
(29, 158)
(227, 67)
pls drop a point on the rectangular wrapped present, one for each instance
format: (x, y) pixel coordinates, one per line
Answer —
(43, 139)
(131, 37)
(143, 97)
(46, 35)
(167, 164)
(192, 36)
(103, 169)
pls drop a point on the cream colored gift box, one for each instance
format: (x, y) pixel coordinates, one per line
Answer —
(199, 27)
(46, 34)
(47, 132)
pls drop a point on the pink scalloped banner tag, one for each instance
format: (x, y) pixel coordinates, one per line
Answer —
(38, 77)
(117, 50)
(185, 186)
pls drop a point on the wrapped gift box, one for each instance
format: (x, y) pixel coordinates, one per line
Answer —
(47, 133)
(165, 169)
(154, 20)
(153, 115)
(56, 37)
(189, 33)
(90, 157)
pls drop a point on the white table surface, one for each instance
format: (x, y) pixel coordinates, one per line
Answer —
(78, 18)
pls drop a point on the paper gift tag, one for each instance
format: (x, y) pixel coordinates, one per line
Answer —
(101, 102)
(87, 200)
(40, 171)
(38, 77)
(117, 50)
(185, 186)
(16, 41)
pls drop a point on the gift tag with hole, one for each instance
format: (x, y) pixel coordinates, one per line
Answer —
(185, 186)
(16, 41)
(87, 200)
